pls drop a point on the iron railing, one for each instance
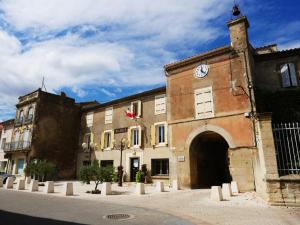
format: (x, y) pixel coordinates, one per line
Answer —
(16, 146)
(19, 121)
(28, 119)
(287, 145)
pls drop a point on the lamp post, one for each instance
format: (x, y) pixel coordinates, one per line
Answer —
(88, 148)
(120, 168)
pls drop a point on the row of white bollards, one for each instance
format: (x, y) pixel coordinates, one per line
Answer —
(225, 193)
(34, 185)
(68, 186)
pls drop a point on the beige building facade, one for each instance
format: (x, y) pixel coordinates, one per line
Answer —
(145, 135)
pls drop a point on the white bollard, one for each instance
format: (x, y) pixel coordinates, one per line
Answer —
(1, 182)
(28, 180)
(49, 187)
(140, 189)
(9, 183)
(226, 191)
(34, 186)
(20, 184)
(106, 188)
(68, 189)
(175, 185)
(160, 186)
(216, 193)
(234, 187)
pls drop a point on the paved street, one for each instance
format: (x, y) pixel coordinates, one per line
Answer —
(170, 207)
(27, 208)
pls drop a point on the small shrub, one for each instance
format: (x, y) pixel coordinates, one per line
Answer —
(140, 177)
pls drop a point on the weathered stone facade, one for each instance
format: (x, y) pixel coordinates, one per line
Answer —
(51, 125)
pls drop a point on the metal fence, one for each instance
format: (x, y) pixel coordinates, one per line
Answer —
(287, 144)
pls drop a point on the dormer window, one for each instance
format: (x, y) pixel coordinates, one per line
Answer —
(288, 75)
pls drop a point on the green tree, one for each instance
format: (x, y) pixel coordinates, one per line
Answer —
(96, 173)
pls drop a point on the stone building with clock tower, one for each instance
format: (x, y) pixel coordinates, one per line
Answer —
(219, 134)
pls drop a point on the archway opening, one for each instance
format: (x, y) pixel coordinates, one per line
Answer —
(209, 163)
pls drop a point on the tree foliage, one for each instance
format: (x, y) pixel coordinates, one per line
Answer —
(96, 173)
(41, 170)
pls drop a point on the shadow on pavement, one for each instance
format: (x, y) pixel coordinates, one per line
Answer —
(9, 218)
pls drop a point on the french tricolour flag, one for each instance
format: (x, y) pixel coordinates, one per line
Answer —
(129, 114)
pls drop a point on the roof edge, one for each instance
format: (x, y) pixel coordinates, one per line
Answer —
(202, 56)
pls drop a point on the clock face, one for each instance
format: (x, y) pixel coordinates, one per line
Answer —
(201, 71)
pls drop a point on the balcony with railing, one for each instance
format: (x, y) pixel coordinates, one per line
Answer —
(28, 119)
(16, 146)
(18, 121)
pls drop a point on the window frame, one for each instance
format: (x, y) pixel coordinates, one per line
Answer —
(91, 114)
(105, 146)
(139, 108)
(160, 160)
(156, 112)
(139, 136)
(291, 85)
(107, 121)
(156, 127)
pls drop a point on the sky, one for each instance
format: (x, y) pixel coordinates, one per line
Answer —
(106, 49)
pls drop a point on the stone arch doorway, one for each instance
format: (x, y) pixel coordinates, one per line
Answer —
(209, 162)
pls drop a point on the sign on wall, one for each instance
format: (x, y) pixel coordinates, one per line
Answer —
(121, 130)
(180, 158)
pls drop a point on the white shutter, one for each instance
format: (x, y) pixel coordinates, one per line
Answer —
(204, 105)
(160, 104)
(108, 115)
(89, 119)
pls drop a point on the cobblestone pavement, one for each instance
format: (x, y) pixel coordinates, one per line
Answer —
(193, 205)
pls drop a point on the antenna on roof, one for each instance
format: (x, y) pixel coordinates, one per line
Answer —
(43, 84)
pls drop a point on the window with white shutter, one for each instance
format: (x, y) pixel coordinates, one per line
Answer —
(204, 105)
(160, 104)
(288, 75)
(89, 119)
(108, 115)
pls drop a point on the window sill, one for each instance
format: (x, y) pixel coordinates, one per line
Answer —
(161, 145)
(160, 177)
(107, 149)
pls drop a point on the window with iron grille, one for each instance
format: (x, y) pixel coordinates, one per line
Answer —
(287, 146)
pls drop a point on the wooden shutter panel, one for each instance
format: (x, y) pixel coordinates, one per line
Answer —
(153, 138)
(129, 137)
(139, 108)
(166, 133)
(140, 135)
(293, 74)
(112, 139)
(102, 141)
(204, 106)
(92, 138)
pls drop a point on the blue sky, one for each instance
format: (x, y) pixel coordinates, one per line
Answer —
(106, 49)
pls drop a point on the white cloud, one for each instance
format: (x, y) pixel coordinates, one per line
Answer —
(131, 41)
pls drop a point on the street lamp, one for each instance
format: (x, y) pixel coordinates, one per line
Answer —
(88, 148)
(120, 168)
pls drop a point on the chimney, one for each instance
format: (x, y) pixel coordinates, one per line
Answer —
(238, 32)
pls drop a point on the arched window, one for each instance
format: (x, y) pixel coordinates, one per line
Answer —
(21, 115)
(288, 75)
(30, 113)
